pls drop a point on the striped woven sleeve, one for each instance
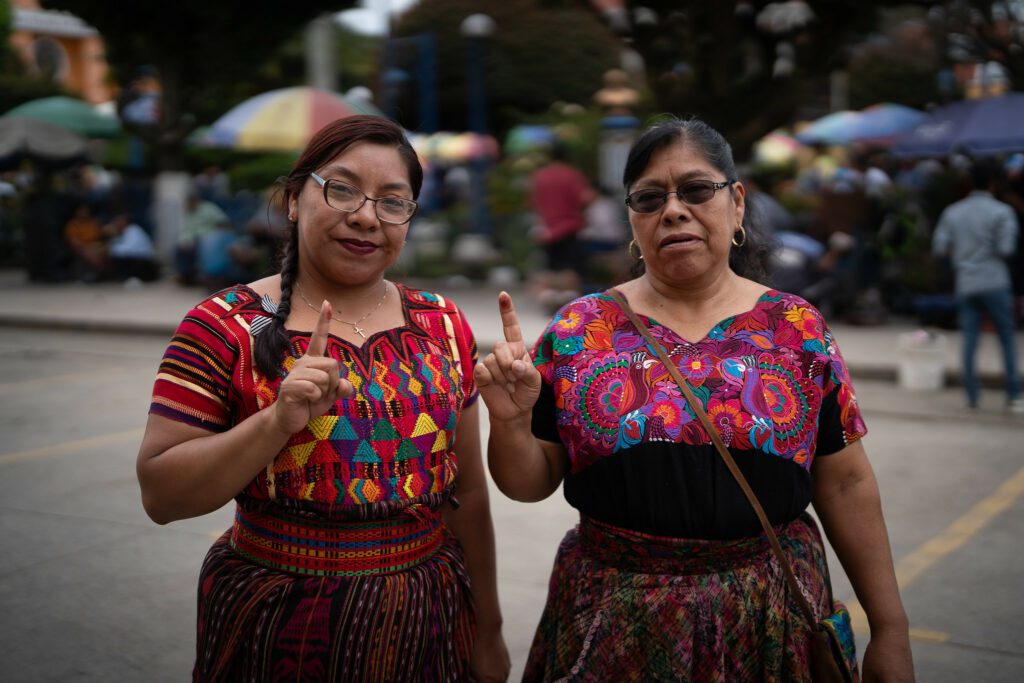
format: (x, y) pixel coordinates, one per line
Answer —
(194, 379)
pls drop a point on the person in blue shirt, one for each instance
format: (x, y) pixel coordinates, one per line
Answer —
(979, 234)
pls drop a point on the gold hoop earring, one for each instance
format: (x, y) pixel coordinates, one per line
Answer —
(743, 236)
(639, 256)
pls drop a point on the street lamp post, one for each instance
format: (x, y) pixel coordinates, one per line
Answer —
(476, 29)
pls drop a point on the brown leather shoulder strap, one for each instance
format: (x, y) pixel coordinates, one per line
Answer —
(716, 438)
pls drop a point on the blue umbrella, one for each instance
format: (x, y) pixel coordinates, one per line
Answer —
(877, 124)
(831, 129)
(994, 125)
(880, 123)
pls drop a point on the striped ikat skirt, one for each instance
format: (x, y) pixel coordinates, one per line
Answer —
(259, 620)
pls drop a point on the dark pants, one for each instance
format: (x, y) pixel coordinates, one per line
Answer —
(999, 304)
(144, 269)
(566, 254)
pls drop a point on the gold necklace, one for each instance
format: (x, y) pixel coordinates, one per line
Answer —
(355, 324)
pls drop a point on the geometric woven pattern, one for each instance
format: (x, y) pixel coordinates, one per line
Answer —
(389, 445)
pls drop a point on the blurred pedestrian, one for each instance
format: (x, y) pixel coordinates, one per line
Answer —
(84, 233)
(559, 194)
(202, 217)
(130, 252)
(669, 575)
(253, 253)
(339, 410)
(213, 184)
(604, 240)
(979, 235)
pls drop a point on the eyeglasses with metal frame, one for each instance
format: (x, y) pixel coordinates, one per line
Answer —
(341, 196)
(692, 193)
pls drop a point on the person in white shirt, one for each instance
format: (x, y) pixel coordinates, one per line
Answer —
(130, 251)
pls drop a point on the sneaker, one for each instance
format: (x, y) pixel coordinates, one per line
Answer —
(1016, 406)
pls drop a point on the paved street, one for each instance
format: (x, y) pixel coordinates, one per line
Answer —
(93, 591)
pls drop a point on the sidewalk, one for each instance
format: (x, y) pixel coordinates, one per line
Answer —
(156, 308)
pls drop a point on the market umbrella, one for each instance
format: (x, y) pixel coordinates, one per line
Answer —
(281, 120)
(881, 123)
(50, 146)
(830, 129)
(529, 138)
(989, 126)
(68, 112)
(777, 148)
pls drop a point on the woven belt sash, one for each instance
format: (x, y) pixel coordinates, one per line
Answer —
(323, 548)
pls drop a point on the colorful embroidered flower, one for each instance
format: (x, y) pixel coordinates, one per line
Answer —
(695, 366)
(727, 418)
(726, 413)
(673, 415)
(568, 320)
(597, 335)
(805, 320)
(761, 374)
(568, 346)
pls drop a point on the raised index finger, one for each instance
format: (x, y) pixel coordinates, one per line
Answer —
(318, 340)
(509, 321)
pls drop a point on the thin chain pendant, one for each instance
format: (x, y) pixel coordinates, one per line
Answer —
(355, 324)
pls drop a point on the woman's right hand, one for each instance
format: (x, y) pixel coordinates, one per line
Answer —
(509, 383)
(313, 384)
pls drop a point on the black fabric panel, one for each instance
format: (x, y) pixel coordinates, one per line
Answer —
(830, 426)
(544, 425)
(687, 491)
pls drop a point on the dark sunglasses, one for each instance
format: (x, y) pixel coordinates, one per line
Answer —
(692, 193)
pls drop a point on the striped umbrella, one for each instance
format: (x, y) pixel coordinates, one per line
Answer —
(281, 120)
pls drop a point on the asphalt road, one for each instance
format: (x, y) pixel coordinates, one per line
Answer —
(91, 590)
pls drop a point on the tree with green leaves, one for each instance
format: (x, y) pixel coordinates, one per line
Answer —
(746, 67)
(202, 52)
(981, 31)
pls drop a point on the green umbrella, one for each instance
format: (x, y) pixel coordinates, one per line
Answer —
(68, 112)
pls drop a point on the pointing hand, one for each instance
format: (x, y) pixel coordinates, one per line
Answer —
(313, 384)
(509, 383)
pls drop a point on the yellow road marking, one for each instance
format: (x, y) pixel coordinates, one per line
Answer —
(928, 636)
(912, 566)
(70, 447)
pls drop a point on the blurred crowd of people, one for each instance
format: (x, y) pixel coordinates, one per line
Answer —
(852, 231)
(90, 224)
(848, 230)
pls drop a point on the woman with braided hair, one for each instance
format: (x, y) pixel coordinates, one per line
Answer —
(338, 409)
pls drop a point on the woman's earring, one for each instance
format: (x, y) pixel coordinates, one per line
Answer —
(743, 236)
(638, 255)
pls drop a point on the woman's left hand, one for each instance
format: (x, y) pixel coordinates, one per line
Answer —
(490, 661)
(887, 658)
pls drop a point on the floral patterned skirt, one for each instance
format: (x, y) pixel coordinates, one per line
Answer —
(626, 606)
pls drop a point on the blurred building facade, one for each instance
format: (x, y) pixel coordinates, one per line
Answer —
(63, 46)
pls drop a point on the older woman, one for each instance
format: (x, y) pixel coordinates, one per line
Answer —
(668, 575)
(338, 409)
